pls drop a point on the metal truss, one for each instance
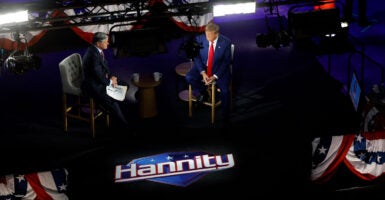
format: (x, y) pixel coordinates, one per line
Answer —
(65, 14)
(50, 14)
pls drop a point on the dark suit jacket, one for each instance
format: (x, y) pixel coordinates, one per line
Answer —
(96, 78)
(222, 58)
(96, 72)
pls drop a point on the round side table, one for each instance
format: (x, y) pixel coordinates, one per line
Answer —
(181, 70)
(147, 96)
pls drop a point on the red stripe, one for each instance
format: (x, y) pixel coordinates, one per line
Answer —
(34, 181)
(3, 180)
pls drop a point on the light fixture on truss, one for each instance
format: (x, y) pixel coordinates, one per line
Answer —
(20, 61)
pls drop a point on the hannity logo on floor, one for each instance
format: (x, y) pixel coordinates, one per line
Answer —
(180, 169)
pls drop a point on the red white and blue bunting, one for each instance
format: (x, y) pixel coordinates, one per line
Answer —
(194, 23)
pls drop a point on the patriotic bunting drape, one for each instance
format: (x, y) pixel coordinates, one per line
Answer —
(188, 23)
(35, 186)
(363, 154)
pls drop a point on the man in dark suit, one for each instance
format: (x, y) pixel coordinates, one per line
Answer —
(97, 76)
(199, 76)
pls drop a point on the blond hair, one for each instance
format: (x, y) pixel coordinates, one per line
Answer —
(212, 27)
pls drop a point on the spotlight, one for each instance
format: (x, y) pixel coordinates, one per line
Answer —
(14, 17)
(320, 30)
(314, 23)
(21, 64)
(234, 8)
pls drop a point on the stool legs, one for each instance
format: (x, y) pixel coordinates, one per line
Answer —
(65, 112)
(212, 102)
(189, 101)
(92, 117)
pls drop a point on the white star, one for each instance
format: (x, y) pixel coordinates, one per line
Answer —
(62, 187)
(152, 160)
(322, 150)
(20, 178)
(378, 159)
(186, 156)
(359, 138)
(169, 157)
(362, 156)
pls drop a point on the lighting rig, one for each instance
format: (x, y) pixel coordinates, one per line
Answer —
(60, 14)
(275, 37)
(20, 61)
(69, 13)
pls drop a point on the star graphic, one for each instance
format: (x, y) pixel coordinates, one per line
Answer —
(62, 187)
(322, 150)
(20, 178)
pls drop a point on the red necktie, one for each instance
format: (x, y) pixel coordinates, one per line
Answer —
(210, 60)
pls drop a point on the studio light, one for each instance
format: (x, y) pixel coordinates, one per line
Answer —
(14, 17)
(314, 23)
(19, 61)
(322, 31)
(344, 24)
(233, 8)
(22, 63)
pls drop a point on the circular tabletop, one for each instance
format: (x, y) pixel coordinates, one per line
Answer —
(146, 81)
(183, 68)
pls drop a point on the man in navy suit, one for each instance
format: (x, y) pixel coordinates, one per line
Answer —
(198, 76)
(97, 76)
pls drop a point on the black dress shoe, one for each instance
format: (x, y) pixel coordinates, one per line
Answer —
(199, 101)
(202, 97)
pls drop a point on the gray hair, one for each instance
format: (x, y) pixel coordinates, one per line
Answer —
(99, 36)
(212, 27)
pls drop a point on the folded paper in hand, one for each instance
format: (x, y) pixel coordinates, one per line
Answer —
(118, 92)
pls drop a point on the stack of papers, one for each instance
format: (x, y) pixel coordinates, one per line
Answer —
(118, 92)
